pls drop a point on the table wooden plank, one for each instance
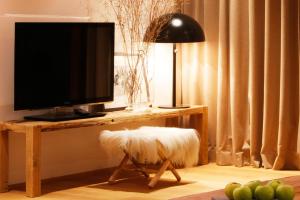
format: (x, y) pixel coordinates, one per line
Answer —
(172, 122)
(110, 118)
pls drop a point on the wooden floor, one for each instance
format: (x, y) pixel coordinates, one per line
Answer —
(93, 186)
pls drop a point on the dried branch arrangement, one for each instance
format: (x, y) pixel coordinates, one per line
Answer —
(133, 17)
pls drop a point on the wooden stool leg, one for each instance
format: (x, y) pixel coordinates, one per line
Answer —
(163, 168)
(137, 165)
(161, 154)
(112, 178)
(173, 170)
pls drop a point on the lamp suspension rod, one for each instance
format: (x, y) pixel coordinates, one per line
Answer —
(174, 75)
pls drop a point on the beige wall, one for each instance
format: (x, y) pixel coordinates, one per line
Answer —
(46, 7)
(63, 152)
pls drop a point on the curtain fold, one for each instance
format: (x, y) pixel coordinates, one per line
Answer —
(256, 67)
(289, 88)
(239, 71)
(257, 118)
(272, 82)
(223, 154)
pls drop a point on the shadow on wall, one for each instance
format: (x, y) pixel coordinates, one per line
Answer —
(68, 151)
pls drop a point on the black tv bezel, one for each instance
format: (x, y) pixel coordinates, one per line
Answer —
(99, 100)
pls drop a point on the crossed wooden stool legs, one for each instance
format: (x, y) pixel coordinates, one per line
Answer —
(141, 167)
(148, 146)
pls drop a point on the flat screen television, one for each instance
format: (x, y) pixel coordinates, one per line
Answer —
(63, 64)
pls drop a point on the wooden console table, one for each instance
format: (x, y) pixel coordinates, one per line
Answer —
(33, 130)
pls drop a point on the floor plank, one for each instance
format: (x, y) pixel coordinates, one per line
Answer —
(93, 186)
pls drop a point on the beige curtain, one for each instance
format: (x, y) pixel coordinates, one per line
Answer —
(257, 73)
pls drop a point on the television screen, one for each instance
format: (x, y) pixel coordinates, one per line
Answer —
(61, 64)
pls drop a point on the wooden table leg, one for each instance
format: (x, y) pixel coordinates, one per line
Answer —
(3, 160)
(200, 123)
(33, 156)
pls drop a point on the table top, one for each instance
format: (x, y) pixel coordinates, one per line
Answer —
(110, 118)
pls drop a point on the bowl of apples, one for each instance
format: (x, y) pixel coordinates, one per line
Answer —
(274, 189)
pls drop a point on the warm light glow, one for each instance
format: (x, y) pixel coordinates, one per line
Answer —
(176, 22)
(160, 63)
(191, 74)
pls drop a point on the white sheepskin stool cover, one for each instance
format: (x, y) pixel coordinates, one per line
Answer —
(181, 146)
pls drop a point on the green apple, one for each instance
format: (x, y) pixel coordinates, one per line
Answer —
(253, 184)
(285, 192)
(264, 192)
(274, 183)
(229, 189)
(242, 193)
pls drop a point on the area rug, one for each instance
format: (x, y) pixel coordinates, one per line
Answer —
(219, 194)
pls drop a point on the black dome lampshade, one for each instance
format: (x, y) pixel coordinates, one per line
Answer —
(175, 28)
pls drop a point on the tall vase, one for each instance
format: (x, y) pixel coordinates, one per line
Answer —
(130, 103)
(137, 84)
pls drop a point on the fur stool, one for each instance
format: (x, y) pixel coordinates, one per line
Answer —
(153, 145)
